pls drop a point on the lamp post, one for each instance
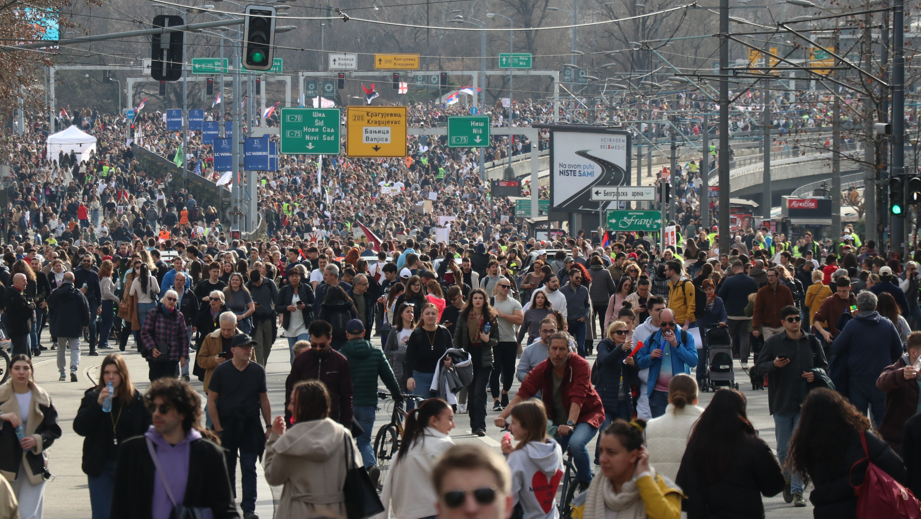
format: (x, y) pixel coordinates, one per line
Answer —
(481, 24)
(511, 51)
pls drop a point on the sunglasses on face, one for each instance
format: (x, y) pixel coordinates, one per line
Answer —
(163, 408)
(483, 496)
(214, 299)
(667, 325)
(316, 346)
(794, 319)
(171, 299)
(505, 286)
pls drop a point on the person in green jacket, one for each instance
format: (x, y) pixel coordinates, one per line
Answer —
(366, 364)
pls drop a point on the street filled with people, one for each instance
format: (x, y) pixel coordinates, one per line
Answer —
(588, 353)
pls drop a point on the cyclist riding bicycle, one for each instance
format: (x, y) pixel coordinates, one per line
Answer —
(574, 407)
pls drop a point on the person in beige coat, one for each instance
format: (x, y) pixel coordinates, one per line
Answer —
(667, 435)
(310, 459)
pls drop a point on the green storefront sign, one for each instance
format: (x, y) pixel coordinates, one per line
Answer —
(634, 221)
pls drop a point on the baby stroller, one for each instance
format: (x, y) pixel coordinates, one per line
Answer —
(719, 359)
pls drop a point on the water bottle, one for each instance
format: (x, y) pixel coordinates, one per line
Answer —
(107, 401)
(20, 432)
(487, 328)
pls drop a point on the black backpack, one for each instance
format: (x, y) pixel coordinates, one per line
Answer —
(700, 299)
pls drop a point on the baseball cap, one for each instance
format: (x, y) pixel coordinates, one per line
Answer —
(104, 258)
(885, 271)
(405, 273)
(241, 339)
(355, 327)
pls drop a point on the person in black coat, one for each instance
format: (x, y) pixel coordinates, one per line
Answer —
(86, 279)
(19, 312)
(106, 431)
(726, 467)
(70, 312)
(296, 285)
(181, 445)
(827, 445)
(911, 452)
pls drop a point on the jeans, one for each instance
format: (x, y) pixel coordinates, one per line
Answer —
(504, 355)
(248, 481)
(101, 490)
(72, 344)
(658, 401)
(36, 328)
(143, 310)
(738, 331)
(293, 340)
(364, 415)
(423, 383)
(476, 399)
(95, 216)
(622, 411)
(189, 360)
(577, 330)
(600, 310)
(108, 319)
(866, 397)
(577, 443)
(92, 327)
(784, 427)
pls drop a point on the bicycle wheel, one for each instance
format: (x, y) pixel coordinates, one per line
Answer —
(570, 487)
(386, 445)
(4, 366)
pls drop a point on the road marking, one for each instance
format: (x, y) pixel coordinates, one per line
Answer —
(489, 441)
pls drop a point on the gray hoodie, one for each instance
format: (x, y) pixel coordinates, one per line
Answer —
(537, 470)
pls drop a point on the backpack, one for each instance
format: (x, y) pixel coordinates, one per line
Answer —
(880, 495)
(700, 299)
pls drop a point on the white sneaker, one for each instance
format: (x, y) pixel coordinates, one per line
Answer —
(744, 364)
(462, 408)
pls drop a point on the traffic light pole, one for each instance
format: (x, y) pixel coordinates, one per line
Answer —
(673, 173)
(237, 136)
(724, 128)
(900, 228)
(705, 176)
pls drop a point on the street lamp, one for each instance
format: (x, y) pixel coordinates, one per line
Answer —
(511, 51)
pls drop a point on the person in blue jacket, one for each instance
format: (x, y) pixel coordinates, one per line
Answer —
(668, 352)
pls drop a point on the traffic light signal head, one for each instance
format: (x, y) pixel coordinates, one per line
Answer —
(914, 189)
(258, 33)
(258, 86)
(396, 80)
(166, 55)
(162, 88)
(897, 196)
(210, 86)
(341, 83)
(444, 79)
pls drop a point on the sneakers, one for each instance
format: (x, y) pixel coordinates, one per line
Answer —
(497, 407)
(479, 432)
(462, 408)
(63, 377)
(798, 500)
(744, 364)
(504, 400)
(787, 495)
(73, 376)
(375, 474)
(185, 378)
(92, 354)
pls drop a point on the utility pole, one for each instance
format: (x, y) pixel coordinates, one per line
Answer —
(768, 199)
(705, 176)
(869, 183)
(883, 153)
(673, 172)
(724, 128)
(902, 226)
(639, 168)
(236, 134)
(836, 158)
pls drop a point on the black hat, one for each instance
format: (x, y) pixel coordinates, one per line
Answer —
(241, 339)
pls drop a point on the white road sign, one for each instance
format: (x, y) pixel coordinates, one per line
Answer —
(341, 61)
(624, 193)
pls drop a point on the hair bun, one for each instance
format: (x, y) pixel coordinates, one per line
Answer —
(679, 399)
(627, 305)
(639, 423)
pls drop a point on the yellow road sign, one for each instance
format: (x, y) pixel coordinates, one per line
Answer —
(819, 59)
(376, 131)
(396, 61)
(756, 58)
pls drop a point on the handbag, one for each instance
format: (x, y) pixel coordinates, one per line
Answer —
(180, 511)
(361, 499)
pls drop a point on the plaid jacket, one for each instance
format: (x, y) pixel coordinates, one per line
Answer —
(163, 327)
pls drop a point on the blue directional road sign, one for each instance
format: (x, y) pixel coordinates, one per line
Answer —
(173, 120)
(223, 154)
(129, 114)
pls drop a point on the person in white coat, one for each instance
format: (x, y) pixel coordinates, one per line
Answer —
(667, 435)
(408, 492)
(536, 462)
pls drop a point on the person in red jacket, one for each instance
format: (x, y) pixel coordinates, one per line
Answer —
(564, 381)
(83, 215)
(831, 266)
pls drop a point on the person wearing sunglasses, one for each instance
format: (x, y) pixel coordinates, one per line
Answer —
(667, 352)
(617, 374)
(197, 473)
(472, 481)
(792, 356)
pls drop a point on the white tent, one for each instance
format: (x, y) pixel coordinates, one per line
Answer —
(71, 139)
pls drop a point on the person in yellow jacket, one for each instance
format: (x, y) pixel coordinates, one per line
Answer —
(680, 295)
(628, 487)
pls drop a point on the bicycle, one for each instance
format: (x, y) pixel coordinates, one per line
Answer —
(388, 437)
(569, 487)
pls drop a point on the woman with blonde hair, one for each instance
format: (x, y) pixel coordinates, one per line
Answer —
(536, 462)
(816, 294)
(617, 373)
(667, 435)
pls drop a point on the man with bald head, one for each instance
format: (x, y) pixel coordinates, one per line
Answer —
(668, 352)
(20, 312)
(70, 312)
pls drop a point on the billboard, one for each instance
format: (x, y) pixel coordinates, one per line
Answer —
(581, 159)
(256, 153)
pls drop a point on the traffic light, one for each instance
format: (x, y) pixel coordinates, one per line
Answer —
(258, 86)
(106, 78)
(166, 50)
(897, 196)
(396, 80)
(210, 86)
(444, 80)
(914, 190)
(162, 88)
(341, 83)
(258, 33)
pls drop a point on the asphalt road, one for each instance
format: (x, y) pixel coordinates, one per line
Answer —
(67, 495)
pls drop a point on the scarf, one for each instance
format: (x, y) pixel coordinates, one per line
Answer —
(474, 326)
(627, 503)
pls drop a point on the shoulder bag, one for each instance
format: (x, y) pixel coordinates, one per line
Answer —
(361, 499)
(180, 511)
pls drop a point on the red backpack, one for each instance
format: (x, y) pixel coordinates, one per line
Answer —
(880, 496)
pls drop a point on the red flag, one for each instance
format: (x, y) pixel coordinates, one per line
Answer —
(375, 241)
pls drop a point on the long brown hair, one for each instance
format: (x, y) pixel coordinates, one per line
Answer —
(417, 421)
(532, 417)
(125, 390)
(488, 313)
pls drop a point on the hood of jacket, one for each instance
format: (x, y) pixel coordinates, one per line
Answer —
(316, 440)
(546, 456)
(872, 318)
(358, 348)
(595, 268)
(481, 248)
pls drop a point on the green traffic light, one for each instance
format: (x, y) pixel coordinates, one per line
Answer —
(257, 57)
(896, 209)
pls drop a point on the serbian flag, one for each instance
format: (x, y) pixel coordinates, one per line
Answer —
(63, 113)
(606, 241)
(269, 111)
(217, 100)
(452, 99)
(370, 94)
(141, 106)
(375, 241)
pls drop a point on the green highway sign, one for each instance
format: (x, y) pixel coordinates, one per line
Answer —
(310, 131)
(523, 207)
(468, 132)
(516, 60)
(311, 88)
(208, 66)
(329, 88)
(634, 221)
